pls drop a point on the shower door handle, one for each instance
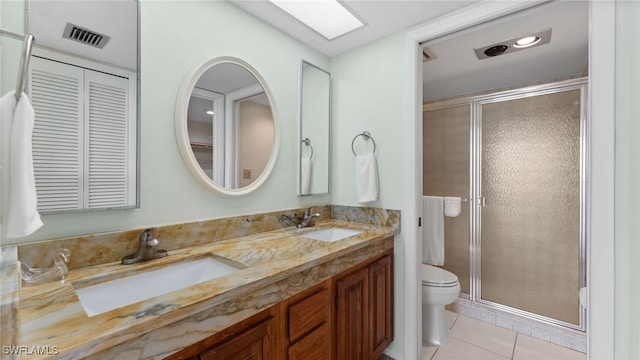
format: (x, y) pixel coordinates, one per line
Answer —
(482, 201)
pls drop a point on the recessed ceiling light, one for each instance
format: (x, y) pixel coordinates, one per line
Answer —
(329, 18)
(209, 112)
(527, 41)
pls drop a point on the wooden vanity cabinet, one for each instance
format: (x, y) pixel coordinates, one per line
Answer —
(348, 316)
(253, 338)
(309, 323)
(364, 314)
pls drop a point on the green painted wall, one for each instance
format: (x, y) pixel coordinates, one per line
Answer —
(627, 197)
(176, 37)
(368, 87)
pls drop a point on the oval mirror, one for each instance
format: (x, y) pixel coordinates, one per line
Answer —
(226, 126)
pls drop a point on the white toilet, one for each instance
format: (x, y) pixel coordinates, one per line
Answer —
(439, 288)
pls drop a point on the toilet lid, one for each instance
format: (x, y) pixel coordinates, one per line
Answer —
(435, 276)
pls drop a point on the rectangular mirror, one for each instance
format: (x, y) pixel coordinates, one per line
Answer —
(315, 129)
(83, 85)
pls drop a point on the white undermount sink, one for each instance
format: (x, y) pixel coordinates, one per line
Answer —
(99, 298)
(331, 234)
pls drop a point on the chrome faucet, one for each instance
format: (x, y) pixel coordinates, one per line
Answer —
(147, 249)
(308, 219)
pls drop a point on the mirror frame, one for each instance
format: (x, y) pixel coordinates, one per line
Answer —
(182, 134)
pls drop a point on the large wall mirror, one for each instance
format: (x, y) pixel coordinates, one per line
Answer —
(226, 126)
(315, 128)
(83, 85)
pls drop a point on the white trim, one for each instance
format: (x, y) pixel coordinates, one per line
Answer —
(217, 130)
(393, 354)
(411, 212)
(600, 269)
(231, 131)
(601, 247)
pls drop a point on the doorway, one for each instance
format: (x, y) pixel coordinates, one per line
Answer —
(600, 105)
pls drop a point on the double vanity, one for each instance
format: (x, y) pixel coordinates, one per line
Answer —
(202, 297)
(279, 290)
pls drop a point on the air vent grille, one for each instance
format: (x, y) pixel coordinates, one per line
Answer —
(85, 36)
(428, 55)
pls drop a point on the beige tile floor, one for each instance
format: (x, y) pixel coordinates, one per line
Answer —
(477, 340)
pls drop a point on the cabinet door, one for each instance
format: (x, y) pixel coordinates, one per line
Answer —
(352, 322)
(252, 344)
(380, 306)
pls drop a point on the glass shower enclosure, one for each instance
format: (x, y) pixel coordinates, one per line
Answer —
(517, 160)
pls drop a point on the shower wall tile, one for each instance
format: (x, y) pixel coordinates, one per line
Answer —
(563, 340)
(474, 313)
(504, 322)
(488, 317)
(568, 338)
(541, 333)
(522, 327)
(579, 344)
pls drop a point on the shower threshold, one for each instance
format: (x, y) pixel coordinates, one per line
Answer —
(557, 334)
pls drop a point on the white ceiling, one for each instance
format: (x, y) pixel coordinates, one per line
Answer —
(115, 18)
(456, 69)
(381, 18)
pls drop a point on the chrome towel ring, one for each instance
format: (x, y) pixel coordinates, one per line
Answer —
(367, 136)
(307, 142)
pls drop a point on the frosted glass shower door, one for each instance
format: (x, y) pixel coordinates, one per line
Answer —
(530, 223)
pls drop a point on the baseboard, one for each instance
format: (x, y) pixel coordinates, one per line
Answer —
(393, 354)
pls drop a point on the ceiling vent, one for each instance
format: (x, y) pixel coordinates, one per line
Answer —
(85, 36)
(427, 55)
(514, 44)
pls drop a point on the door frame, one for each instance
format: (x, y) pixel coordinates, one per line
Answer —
(601, 108)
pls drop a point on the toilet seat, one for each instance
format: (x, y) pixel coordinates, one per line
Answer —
(436, 277)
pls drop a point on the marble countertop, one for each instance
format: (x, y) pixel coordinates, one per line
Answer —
(51, 317)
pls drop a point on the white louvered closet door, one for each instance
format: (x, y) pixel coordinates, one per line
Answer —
(56, 95)
(106, 114)
(84, 153)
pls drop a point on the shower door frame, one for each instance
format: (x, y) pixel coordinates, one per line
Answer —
(475, 186)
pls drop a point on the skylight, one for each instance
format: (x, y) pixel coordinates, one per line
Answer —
(327, 17)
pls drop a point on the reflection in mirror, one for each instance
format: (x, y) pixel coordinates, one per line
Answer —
(83, 88)
(105, 31)
(226, 126)
(315, 119)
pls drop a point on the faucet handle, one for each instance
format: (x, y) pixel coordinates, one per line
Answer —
(146, 235)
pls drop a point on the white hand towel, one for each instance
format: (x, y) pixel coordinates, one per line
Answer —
(366, 178)
(452, 206)
(19, 198)
(305, 176)
(433, 230)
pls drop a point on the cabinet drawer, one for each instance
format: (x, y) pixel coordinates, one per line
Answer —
(308, 313)
(250, 344)
(314, 346)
